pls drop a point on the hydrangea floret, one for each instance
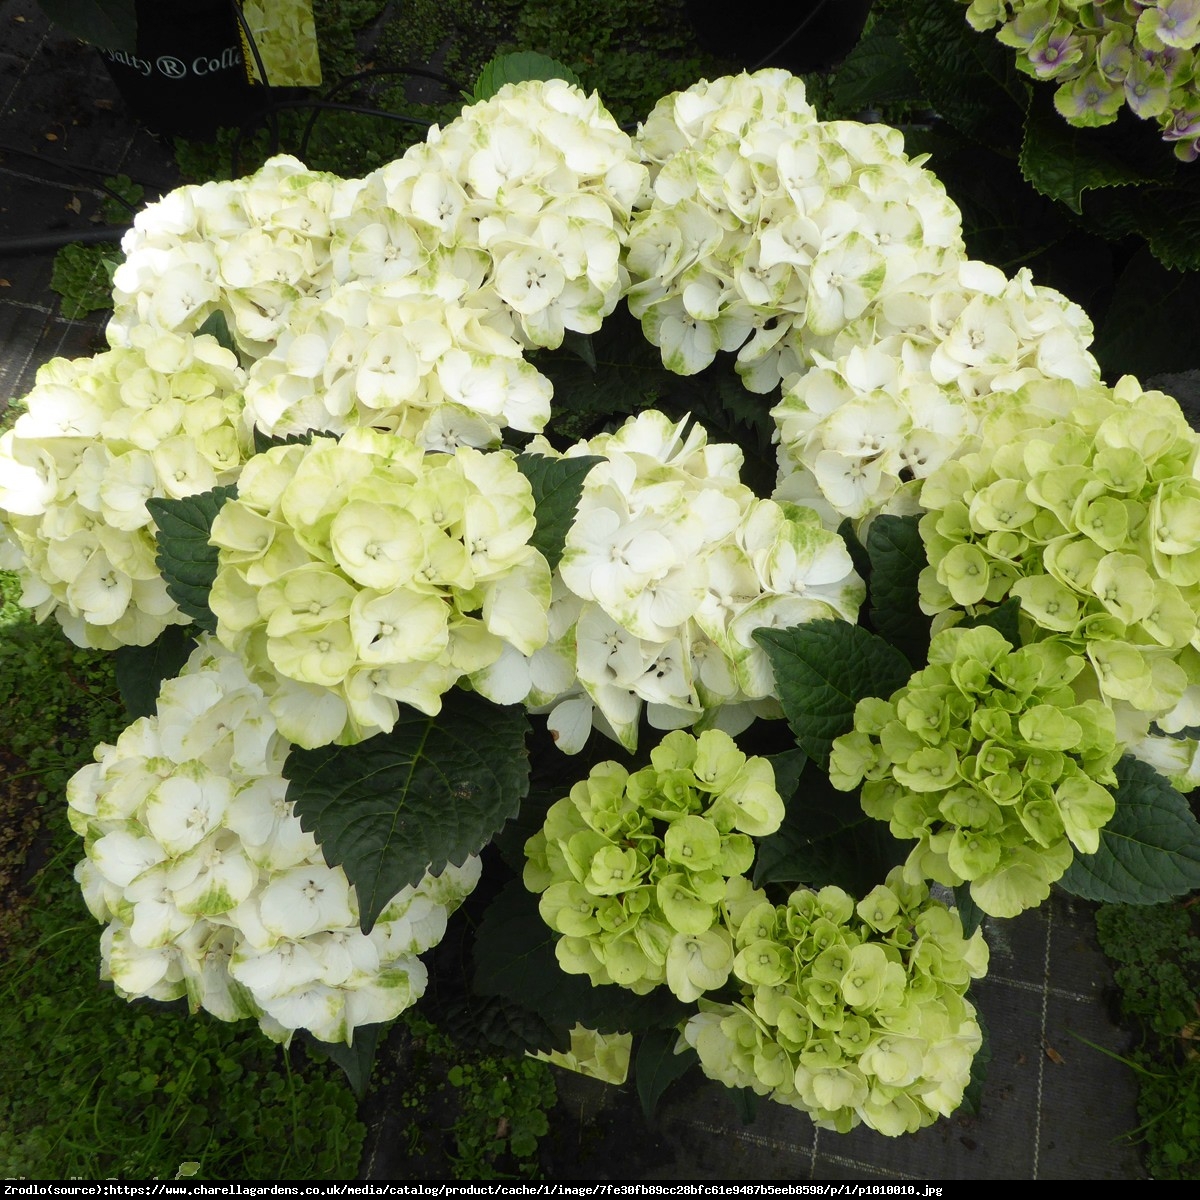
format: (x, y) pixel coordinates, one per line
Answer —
(634, 870)
(359, 573)
(851, 1012)
(100, 436)
(1083, 503)
(209, 887)
(987, 758)
(1106, 55)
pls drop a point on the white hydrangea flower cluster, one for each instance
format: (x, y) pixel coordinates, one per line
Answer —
(669, 567)
(209, 886)
(903, 388)
(531, 191)
(248, 248)
(98, 437)
(395, 358)
(770, 228)
(356, 574)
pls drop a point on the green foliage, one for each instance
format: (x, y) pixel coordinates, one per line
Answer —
(514, 68)
(187, 562)
(1150, 849)
(822, 670)
(476, 1115)
(433, 791)
(140, 670)
(1155, 953)
(60, 700)
(557, 485)
(82, 276)
(826, 838)
(1063, 162)
(630, 51)
(656, 1066)
(897, 557)
(514, 958)
(1155, 950)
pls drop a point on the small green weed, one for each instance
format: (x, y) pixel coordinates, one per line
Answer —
(1156, 956)
(484, 1116)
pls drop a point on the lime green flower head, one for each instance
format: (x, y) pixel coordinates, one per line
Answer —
(850, 1011)
(1083, 504)
(361, 573)
(644, 874)
(990, 763)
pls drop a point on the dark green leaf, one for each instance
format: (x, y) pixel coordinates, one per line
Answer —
(788, 767)
(1063, 162)
(656, 1066)
(875, 72)
(1140, 332)
(969, 913)
(897, 556)
(580, 345)
(432, 791)
(973, 1095)
(110, 24)
(1149, 851)
(1002, 618)
(187, 562)
(515, 68)
(497, 1021)
(265, 441)
(357, 1060)
(745, 1104)
(971, 80)
(826, 838)
(514, 957)
(858, 552)
(218, 327)
(557, 485)
(140, 670)
(822, 670)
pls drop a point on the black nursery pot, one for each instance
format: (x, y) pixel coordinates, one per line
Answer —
(760, 34)
(186, 77)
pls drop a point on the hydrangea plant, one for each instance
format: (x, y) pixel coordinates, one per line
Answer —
(406, 473)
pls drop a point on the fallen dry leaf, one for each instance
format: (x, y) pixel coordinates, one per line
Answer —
(74, 204)
(51, 137)
(107, 105)
(5, 283)
(1054, 1056)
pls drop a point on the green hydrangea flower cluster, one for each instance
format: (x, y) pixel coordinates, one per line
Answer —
(1105, 54)
(358, 574)
(1083, 503)
(850, 1012)
(637, 872)
(988, 760)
